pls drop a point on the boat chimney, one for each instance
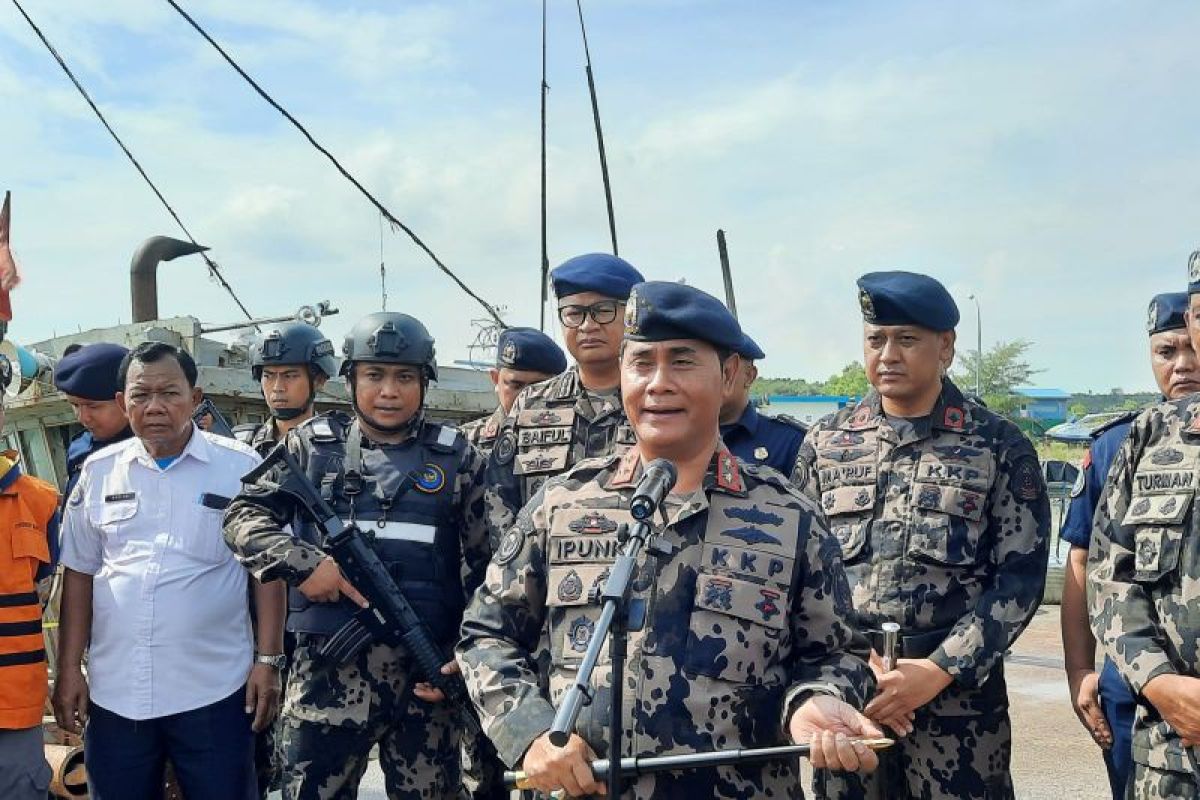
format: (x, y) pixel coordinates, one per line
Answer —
(143, 272)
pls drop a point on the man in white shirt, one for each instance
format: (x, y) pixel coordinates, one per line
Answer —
(150, 583)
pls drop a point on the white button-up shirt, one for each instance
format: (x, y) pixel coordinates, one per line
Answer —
(170, 619)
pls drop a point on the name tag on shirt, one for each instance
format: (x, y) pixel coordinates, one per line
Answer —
(119, 498)
(406, 532)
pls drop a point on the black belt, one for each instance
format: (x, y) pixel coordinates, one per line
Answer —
(914, 645)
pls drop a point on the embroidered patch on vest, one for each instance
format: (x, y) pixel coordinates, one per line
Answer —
(432, 479)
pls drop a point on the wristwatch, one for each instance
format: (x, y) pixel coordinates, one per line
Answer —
(278, 661)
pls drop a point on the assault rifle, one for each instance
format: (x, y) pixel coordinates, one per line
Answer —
(389, 617)
(220, 426)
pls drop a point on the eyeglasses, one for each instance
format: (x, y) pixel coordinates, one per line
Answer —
(601, 313)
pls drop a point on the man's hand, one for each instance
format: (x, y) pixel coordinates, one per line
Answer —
(1177, 698)
(549, 768)
(1084, 686)
(427, 692)
(912, 684)
(327, 584)
(828, 724)
(70, 699)
(262, 695)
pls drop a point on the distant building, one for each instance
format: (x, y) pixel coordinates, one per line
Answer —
(1045, 406)
(806, 408)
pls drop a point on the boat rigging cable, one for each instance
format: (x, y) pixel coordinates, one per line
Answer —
(545, 256)
(608, 201)
(391, 218)
(213, 268)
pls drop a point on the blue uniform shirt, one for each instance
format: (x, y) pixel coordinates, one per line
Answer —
(78, 451)
(1077, 527)
(759, 439)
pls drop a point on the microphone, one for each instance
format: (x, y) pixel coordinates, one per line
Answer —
(657, 481)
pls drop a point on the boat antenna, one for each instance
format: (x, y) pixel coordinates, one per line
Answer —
(608, 201)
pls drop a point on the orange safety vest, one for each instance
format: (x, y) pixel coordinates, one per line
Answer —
(27, 506)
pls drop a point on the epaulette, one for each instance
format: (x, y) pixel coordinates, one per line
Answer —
(244, 433)
(440, 437)
(1128, 416)
(328, 427)
(791, 422)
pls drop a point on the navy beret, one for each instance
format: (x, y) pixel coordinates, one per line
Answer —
(750, 349)
(595, 272)
(906, 298)
(90, 371)
(661, 310)
(529, 348)
(1166, 312)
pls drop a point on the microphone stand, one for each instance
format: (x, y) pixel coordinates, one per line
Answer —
(618, 617)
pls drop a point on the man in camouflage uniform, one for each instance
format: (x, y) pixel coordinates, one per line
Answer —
(556, 424)
(941, 512)
(746, 638)
(291, 362)
(1143, 595)
(1103, 702)
(417, 488)
(524, 356)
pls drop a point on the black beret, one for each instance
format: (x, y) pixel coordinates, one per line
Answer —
(90, 371)
(662, 310)
(595, 272)
(906, 298)
(1166, 312)
(529, 349)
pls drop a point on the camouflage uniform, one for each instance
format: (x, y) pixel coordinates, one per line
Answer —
(260, 436)
(333, 714)
(943, 531)
(745, 619)
(483, 775)
(552, 426)
(482, 432)
(1142, 590)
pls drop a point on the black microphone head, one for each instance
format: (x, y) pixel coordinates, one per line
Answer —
(668, 471)
(656, 483)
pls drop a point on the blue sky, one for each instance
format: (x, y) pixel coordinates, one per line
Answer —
(1041, 155)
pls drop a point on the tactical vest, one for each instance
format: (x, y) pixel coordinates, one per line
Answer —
(26, 508)
(412, 529)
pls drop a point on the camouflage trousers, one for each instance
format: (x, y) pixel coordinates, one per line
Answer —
(334, 714)
(944, 758)
(1149, 783)
(483, 771)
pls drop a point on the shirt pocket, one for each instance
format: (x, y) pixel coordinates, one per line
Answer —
(114, 519)
(573, 608)
(1158, 533)
(947, 525)
(851, 535)
(736, 628)
(205, 541)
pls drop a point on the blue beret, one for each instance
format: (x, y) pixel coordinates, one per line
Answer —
(1166, 312)
(906, 298)
(750, 349)
(90, 371)
(529, 348)
(595, 272)
(661, 310)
